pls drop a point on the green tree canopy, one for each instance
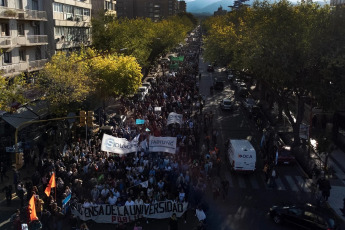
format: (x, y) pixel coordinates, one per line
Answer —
(297, 50)
(12, 92)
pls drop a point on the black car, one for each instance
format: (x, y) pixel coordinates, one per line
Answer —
(210, 68)
(218, 85)
(305, 217)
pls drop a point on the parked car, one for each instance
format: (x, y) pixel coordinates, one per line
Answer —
(210, 68)
(218, 85)
(285, 155)
(304, 217)
(227, 104)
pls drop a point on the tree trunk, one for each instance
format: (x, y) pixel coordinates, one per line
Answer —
(299, 118)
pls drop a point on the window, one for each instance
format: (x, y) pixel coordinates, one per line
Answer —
(5, 31)
(68, 9)
(20, 28)
(57, 7)
(3, 3)
(108, 6)
(86, 12)
(78, 11)
(8, 57)
(22, 55)
(59, 31)
(34, 4)
(19, 4)
(38, 53)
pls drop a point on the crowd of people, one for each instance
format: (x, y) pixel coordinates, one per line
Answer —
(94, 177)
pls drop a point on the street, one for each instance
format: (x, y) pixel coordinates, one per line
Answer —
(249, 197)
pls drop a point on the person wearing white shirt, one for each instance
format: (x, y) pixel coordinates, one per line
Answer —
(129, 202)
(160, 184)
(112, 199)
(105, 192)
(138, 201)
(181, 195)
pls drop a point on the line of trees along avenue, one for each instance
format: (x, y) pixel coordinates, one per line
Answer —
(298, 50)
(112, 67)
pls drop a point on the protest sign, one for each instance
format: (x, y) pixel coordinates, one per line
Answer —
(162, 144)
(174, 118)
(118, 145)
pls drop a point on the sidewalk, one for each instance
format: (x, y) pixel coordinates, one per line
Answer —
(336, 161)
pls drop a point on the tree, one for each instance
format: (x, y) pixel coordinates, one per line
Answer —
(286, 47)
(12, 92)
(115, 75)
(65, 81)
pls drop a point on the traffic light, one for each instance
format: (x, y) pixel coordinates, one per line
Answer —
(82, 115)
(90, 118)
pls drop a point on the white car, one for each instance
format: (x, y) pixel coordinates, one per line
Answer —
(144, 90)
(227, 104)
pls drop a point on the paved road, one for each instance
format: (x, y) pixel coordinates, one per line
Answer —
(249, 197)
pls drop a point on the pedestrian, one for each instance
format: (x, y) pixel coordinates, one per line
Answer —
(325, 188)
(8, 193)
(84, 227)
(225, 185)
(173, 223)
(272, 178)
(266, 171)
(21, 192)
(3, 171)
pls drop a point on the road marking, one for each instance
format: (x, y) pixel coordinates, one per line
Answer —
(302, 183)
(292, 183)
(280, 185)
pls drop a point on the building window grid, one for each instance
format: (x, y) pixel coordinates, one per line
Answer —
(22, 55)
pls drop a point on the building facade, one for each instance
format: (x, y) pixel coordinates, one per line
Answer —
(69, 24)
(182, 7)
(23, 40)
(100, 7)
(154, 9)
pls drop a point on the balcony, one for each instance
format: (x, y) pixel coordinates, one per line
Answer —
(32, 40)
(14, 69)
(12, 13)
(36, 65)
(5, 42)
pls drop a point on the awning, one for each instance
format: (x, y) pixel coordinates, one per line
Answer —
(22, 115)
(34, 111)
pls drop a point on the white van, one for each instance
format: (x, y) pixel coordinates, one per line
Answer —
(242, 155)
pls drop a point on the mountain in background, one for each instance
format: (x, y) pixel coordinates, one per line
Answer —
(207, 7)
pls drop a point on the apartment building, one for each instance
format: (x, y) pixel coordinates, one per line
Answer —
(22, 39)
(154, 9)
(103, 7)
(69, 24)
(182, 7)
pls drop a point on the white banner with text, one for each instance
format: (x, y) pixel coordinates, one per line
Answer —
(162, 144)
(107, 213)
